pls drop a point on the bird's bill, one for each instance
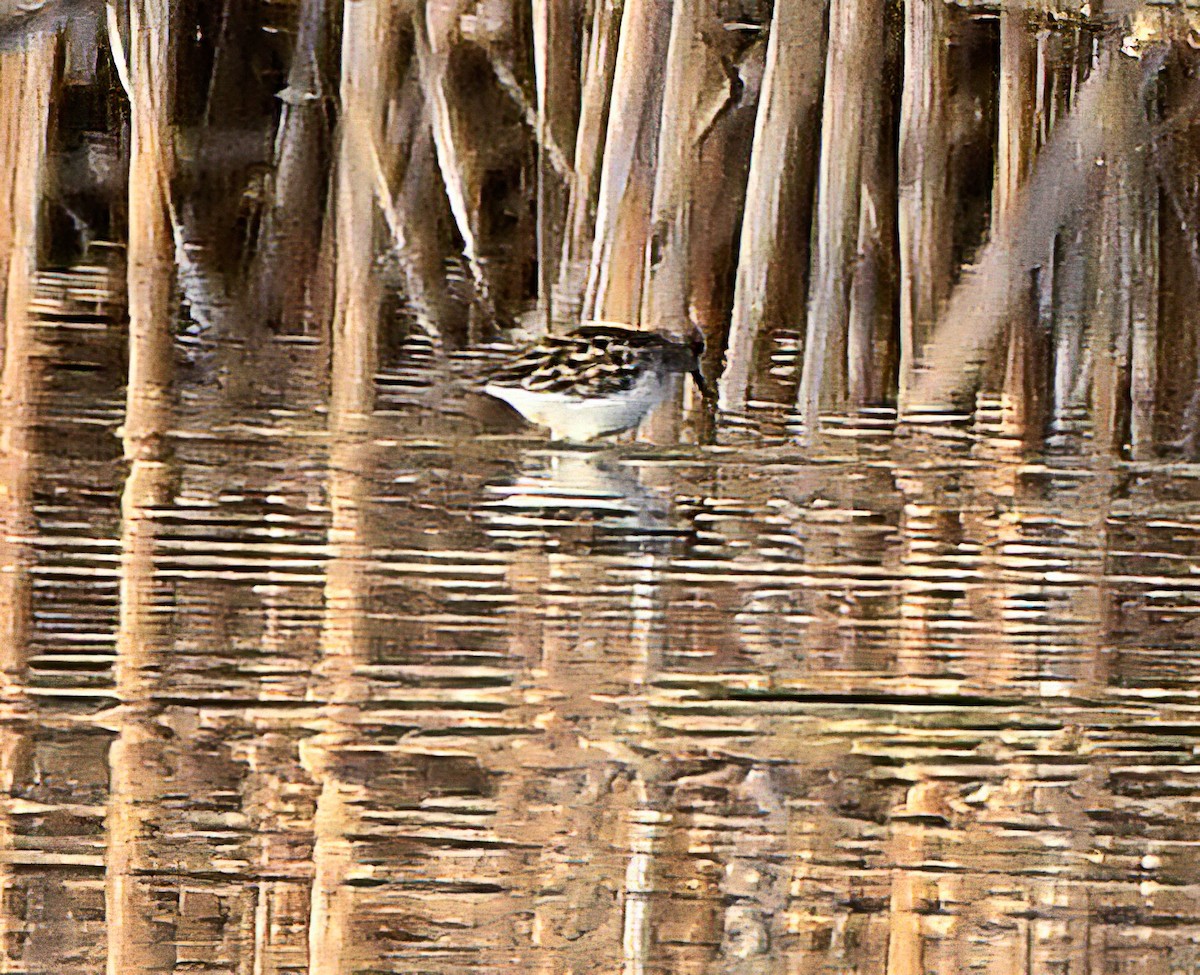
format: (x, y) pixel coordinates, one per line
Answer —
(701, 383)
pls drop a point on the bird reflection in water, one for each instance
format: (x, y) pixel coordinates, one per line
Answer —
(558, 491)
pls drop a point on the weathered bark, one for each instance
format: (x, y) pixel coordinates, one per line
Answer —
(26, 97)
(1015, 132)
(356, 287)
(849, 127)
(923, 217)
(666, 290)
(287, 239)
(773, 254)
(410, 164)
(626, 181)
(556, 76)
(150, 247)
(598, 73)
(26, 87)
(435, 29)
(870, 330)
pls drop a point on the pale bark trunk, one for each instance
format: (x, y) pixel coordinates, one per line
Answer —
(26, 96)
(923, 219)
(1016, 132)
(869, 315)
(778, 190)
(26, 86)
(150, 248)
(626, 181)
(356, 287)
(598, 74)
(849, 122)
(666, 290)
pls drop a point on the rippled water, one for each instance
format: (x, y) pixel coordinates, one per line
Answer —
(435, 698)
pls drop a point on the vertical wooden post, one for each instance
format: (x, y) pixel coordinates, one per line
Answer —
(1015, 128)
(774, 241)
(924, 150)
(1143, 352)
(849, 120)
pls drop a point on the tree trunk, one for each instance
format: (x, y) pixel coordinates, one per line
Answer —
(849, 129)
(626, 181)
(436, 28)
(287, 239)
(666, 290)
(598, 75)
(26, 97)
(773, 254)
(150, 247)
(356, 287)
(924, 224)
(556, 75)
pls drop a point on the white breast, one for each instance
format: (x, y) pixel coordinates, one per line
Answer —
(576, 418)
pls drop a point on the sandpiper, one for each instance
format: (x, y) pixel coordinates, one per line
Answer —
(597, 379)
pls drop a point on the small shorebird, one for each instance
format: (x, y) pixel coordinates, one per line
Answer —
(597, 379)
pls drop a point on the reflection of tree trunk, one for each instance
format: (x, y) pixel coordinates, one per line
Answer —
(15, 748)
(287, 248)
(626, 182)
(850, 131)
(136, 939)
(773, 254)
(344, 646)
